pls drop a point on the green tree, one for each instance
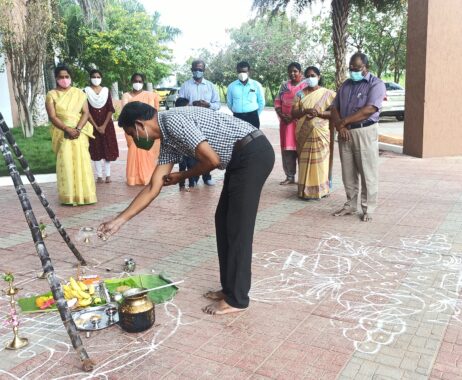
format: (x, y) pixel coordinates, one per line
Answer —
(381, 35)
(267, 43)
(130, 41)
(24, 31)
(340, 10)
(220, 67)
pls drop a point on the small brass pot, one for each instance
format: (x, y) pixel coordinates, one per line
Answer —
(136, 313)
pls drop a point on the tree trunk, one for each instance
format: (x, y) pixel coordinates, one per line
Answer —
(9, 137)
(340, 11)
(42, 252)
(28, 128)
(93, 12)
(272, 93)
(396, 74)
(115, 91)
(39, 114)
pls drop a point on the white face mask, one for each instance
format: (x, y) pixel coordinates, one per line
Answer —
(95, 81)
(243, 76)
(312, 81)
(137, 86)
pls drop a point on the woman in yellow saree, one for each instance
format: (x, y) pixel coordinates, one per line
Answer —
(68, 111)
(311, 108)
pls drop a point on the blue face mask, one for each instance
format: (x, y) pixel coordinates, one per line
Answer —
(356, 76)
(198, 74)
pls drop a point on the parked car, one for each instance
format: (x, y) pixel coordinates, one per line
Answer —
(163, 92)
(171, 98)
(393, 103)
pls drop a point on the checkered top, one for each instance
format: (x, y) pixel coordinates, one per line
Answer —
(186, 127)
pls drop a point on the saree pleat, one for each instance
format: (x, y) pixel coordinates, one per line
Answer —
(313, 151)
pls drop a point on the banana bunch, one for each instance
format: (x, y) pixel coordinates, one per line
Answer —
(79, 290)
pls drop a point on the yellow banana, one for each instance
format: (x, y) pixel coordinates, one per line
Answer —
(82, 286)
(83, 295)
(84, 302)
(68, 295)
(67, 292)
(74, 285)
(75, 294)
(91, 289)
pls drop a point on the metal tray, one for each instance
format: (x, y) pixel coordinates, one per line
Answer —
(85, 319)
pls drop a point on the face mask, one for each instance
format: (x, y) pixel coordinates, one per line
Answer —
(95, 81)
(198, 74)
(356, 76)
(243, 76)
(312, 81)
(137, 86)
(143, 144)
(64, 82)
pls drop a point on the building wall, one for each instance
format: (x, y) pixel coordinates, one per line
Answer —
(433, 84)
(5, 104)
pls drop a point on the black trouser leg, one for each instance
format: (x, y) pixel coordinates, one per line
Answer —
(249, 117)
(236, 215)
(182, 167)
(220, 230)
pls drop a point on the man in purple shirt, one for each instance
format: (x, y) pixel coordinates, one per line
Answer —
(355, 114)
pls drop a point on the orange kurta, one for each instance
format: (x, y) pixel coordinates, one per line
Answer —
(141, 163)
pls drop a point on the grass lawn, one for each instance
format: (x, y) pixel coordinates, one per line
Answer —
(36, 150)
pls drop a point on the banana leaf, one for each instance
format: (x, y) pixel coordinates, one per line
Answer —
(28, 305)
(144, 281)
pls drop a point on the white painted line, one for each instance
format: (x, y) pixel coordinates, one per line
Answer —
(39, 178)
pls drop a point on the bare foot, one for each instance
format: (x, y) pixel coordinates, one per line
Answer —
(344, 211)
(99, 180)
(366, 218)
(287, 182)
(108, 179)
(215, 295)
(220, 308)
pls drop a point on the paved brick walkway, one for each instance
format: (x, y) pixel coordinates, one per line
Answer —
(331, 297)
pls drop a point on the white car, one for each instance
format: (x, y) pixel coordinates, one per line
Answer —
(393, 103)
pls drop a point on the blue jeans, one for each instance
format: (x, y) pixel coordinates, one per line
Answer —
(185, 164)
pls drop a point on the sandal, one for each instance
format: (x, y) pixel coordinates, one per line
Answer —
(99, 180)
(108, 179)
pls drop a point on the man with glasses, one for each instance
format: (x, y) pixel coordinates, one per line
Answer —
(355, 114)
(201, 93)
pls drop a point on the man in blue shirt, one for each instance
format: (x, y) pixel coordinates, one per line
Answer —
(245, 96)
(201, 93)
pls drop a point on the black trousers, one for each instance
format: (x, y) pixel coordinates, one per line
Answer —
(249, 117)
(236, 214)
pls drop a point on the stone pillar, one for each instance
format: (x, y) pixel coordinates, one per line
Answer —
(149, 86)
(433, 79)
